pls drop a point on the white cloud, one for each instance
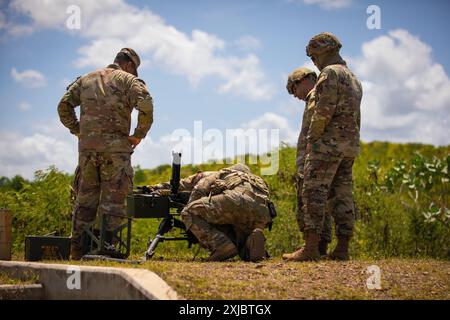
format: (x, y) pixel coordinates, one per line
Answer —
(270, 120)
(258, 136)
(24, 106)
(406, 93)
(200, 144)
(292, 107)
(250, 81)
(196, 56)
(310, 65)
(29, 78)
(52, 144)
(49, 145)
(13, 29)
(19, 30)
(248, 43)
(327, 4)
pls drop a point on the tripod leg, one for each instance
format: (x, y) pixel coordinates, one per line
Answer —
(152, 247)
(164, 227)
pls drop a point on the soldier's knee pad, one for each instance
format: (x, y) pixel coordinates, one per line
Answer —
(190, 213)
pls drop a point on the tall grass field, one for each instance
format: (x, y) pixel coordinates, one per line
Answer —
(401, 193)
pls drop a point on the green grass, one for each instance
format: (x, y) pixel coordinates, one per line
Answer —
(389, 222)
(276, 279)
(7, 280)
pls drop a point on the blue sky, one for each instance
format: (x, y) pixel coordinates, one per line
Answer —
(222, 62)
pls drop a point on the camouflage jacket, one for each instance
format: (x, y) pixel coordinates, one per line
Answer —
(186, 184)
(106, 98)
(335, 123)
(301, 143)
(225, 179)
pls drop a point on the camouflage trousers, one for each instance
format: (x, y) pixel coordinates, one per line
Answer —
(328, 182)
(102, 182)
(210, 218)
(326, 234)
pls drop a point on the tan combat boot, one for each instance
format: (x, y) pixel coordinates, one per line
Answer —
(224, 252)
(255, 246)
(341, 250)
(309, 252)
(323, 247)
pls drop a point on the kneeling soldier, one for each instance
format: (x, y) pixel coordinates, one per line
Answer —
(230, 198)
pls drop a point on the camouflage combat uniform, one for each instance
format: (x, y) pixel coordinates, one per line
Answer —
(186, 184)
(104, 174)
(333, 138)
(227, 198)
(301, 157)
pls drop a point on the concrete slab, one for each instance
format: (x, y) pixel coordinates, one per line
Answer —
(22, 292)
(62, 281)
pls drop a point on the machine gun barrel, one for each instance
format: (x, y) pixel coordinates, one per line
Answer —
(176, 172)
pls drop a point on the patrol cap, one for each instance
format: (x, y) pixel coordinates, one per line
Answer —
(297, 75)
(133, 57)
(322, 43)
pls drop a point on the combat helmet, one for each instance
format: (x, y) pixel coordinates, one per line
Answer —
(297, 75)
(323, 43)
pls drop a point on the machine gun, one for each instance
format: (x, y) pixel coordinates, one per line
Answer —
(167, 204)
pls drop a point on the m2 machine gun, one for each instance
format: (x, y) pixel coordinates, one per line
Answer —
(167, 204)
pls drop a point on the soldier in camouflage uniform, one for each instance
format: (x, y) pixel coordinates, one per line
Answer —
(232, 197)
(332, 145)
(104, 174)
(301, 84)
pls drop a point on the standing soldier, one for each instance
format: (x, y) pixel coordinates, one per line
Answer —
(301, 84)
(104, 174)
(232, 197)
(332, 145)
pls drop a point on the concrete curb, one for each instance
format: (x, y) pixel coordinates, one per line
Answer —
(22, 292)
(62, 281)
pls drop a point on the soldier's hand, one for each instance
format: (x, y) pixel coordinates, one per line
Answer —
(152, 189)
(298, 177)
(134, 141)
(146, 189)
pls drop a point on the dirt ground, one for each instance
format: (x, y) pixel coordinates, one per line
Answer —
(276, 279)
